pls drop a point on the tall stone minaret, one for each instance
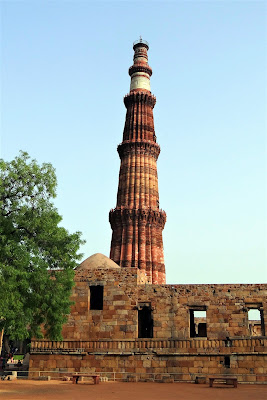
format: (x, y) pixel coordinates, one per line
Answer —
(137, 222)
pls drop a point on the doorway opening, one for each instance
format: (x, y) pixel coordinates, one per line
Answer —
(198, 322)
(145, 321)
(255, 320)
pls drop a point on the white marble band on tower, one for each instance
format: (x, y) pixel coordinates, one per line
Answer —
(140, 80)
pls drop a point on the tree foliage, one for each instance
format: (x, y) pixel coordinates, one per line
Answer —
(37, 256)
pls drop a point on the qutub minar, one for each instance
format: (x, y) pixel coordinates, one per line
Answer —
(126, 323)
(137, 222)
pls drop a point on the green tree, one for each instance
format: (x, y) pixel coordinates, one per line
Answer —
(37, 256)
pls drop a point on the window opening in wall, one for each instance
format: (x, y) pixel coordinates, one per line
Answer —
(255, 321)
(198, 323)
(227, 361)
(96, 297)
(145, 322)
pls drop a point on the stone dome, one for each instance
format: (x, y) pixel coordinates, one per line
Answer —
(97, 260)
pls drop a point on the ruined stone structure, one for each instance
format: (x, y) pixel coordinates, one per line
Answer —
(126, 322)
(137, 222)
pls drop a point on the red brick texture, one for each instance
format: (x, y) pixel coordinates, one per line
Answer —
(137, 222)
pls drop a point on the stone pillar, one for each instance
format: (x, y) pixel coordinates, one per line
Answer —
(137, 222)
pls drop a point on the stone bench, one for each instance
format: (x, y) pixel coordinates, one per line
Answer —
(227, 380)
(75, 378)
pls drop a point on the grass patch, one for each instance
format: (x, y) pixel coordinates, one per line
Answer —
(18, 357)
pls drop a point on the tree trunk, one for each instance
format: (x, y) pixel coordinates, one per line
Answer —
(6, 344)
(1, 340)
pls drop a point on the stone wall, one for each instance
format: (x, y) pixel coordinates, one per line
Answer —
(182, 360)
(226, 307)
(107, 340)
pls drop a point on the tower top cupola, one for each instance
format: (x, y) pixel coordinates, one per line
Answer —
(140, 71)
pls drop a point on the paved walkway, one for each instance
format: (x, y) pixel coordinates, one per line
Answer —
(56, 390)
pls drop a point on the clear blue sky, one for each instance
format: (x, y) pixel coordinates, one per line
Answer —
(64, 75)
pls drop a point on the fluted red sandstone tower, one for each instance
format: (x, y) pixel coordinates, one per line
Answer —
(137, 222)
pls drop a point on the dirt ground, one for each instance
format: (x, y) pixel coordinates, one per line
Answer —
(56, 390)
